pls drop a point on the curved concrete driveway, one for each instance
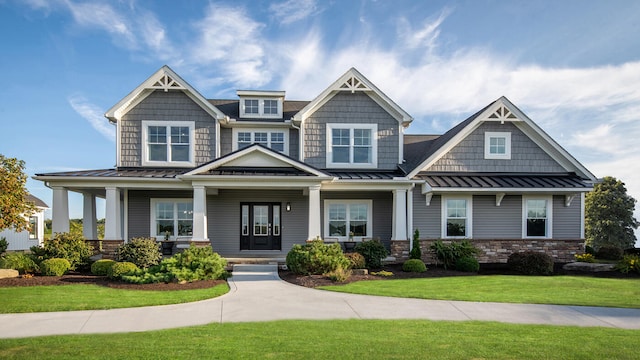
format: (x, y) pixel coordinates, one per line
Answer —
(258, 294)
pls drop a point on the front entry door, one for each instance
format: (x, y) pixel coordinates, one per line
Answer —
(260, 227)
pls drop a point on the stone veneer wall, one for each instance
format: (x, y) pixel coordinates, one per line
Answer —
(105, 247)
(498, 251)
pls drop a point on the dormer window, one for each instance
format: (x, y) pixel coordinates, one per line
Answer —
(270, 107)
(255, 104)
(251, 106)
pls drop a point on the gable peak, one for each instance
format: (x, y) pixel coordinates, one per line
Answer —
(166, 82)
(353, 84)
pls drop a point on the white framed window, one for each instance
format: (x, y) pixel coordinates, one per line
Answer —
(168, 143)
(259, 108)
(33, 228)
(537, 216)
(251, 106)
(172, 217)
(497, 145)
(457, 216)
(348, 219)
(352, 145)
(275, 139)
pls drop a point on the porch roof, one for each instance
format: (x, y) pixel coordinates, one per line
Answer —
(504, 181)
(256, 171)
(366, 175)
(121, 172)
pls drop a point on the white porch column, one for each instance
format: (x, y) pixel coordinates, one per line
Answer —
(410, 217)
(314, 212)
(60, 210)
(112, 222)
(399, 227)
(89, 228)
(199, 213)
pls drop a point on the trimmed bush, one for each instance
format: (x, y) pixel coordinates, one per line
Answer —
(629, 263)
(414, 265)
(120, 269)
(101, 267)
(373, 251)
(143, 252)
(54, 267)
(65, 246)
(609, 253)
(416, 252)
(448, 254)
(339, 275)
(467, 264)
(356, 260)
(4, 244)
(531, 263)
(316, 258)
(18, 261)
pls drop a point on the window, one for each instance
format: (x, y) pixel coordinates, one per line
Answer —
(456, 217)
(251, 106)
(257, 108)
(537, 217)
(271, 107)
(276, 140)
(168, 143)
(33, 227)
(345, 219)
(171, 216)
(497, 145)
(352, 145)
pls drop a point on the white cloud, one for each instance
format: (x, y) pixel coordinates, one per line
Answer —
(291, 11)
(104, 17)
(426, 36)
(94, 115)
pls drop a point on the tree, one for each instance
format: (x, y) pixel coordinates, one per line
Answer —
(609, 217)
(14, 207)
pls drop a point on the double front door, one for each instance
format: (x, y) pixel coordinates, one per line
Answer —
(260, 226)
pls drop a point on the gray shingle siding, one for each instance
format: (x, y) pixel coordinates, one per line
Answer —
(468, 155)
(497, 222)
(166, 106)
(566, 220)
(139, 214)
(426, 218)
(348, 108)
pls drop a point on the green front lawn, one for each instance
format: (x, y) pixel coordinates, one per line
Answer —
(93, 297)
(343, 339)
(560, 290)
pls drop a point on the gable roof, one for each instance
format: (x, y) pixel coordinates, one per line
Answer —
(504, 111)
(231, 108)
(163, 79)
(353, 81)
(36, 201)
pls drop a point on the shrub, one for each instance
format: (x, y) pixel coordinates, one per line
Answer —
(467, 264)
(4, 244)
(373, 251)
(339, 274)
(609, 253)
(589, 250)
(143, 252)
(68, 246)
(632, 251)
(119, 269)
(531, 263)
(414, 265)
(448, 254)
(101, 267)
(629, 263)
(588, 258)
(382, 273)
(54, 267)
(18, 261)
(316, 258)
(356, 260)
(416, 252)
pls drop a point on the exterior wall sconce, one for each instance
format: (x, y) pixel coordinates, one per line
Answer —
(288, 207)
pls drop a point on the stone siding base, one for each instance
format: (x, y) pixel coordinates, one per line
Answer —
(498, 251)
(105, 247)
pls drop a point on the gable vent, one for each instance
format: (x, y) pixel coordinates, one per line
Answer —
(353, 84)
(165, 83)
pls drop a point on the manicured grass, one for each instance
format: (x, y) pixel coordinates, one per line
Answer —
(344, 339)
(560, 290)
(93, 297)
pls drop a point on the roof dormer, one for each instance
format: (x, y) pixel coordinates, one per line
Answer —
(260, 104)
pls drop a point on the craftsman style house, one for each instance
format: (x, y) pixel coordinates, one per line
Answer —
(257, 174)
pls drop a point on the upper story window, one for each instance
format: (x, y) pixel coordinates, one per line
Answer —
(258, 108)
(270, 107)
(536, 217)
(168, 143)
(274, 139)
(251, 106)
(352, 145)
(497, 145)
(456, 217)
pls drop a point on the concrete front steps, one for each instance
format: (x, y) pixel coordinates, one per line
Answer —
(279, 262)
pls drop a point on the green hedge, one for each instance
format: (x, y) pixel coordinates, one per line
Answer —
(101, 267)
(316, 258)
(54, 267)
(414, 265)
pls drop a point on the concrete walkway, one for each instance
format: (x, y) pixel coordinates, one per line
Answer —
(258, 294)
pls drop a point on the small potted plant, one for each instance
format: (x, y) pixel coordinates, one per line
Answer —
(167, 244)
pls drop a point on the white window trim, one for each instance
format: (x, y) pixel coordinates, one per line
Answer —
(369, 204)
(168, 124)
(34, 236)
(507, 144)
(260, 113)
(351, 164)
(549, 222)
(443, 216)
(153, 202)
(235, 131)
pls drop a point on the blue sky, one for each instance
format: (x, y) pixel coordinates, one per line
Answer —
(572, 66)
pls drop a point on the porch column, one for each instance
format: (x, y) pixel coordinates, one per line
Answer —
(410, 217)
(399, 226)
(89, 228)
(314, 212)
(60, 210)
(199, 213)
(112, 222)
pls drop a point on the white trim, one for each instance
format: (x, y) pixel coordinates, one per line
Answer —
(507, 145)
(582, 198)
(468, 212)
(351, 127)
(260, 114)
(152, 216)
(169, 124)
(499, 197)
(253, 131)
(314, 222)
(549, 218)
(399, 223)
(369, 204)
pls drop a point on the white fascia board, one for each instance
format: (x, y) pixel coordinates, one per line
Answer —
(357, 185)
(233, 123)
(255, 182)
(130, 182)
(508, 190)
(262, 93)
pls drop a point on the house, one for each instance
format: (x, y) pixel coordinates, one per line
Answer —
(253, 176)
(34, 236)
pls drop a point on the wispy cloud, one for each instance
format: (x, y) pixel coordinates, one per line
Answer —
(104, 17)
(290, 11)
(94, 115)
(425, 37)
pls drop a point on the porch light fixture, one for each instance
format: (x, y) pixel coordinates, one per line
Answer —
(288, 207)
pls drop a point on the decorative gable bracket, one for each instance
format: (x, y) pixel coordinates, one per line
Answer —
(166, 82)
(499, 198)
(354, 84)
(568, 199)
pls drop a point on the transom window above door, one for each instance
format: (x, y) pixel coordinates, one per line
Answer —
(352, 145)
(168, 143)
(274, 139)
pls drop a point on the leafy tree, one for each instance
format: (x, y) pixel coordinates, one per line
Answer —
(14, 207)
(609, 217)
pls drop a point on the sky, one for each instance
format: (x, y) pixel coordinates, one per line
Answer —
(571, 66)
